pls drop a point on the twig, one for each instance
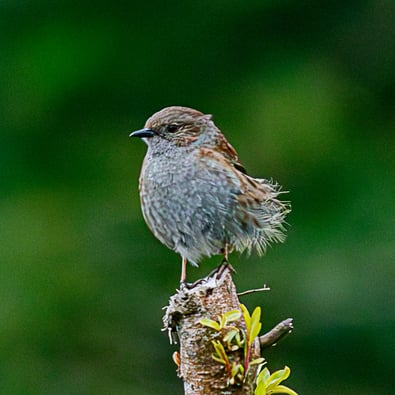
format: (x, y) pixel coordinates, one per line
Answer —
(250, 291)
(274, 335)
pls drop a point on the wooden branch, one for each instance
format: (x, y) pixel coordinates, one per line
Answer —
(272, 337)
(209, 298)
(252, 291)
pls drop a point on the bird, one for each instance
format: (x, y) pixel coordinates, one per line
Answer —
(196, 196)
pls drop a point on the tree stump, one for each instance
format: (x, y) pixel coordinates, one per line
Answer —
(210, 297)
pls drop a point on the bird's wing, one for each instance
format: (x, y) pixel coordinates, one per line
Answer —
(224, 160)
(253, 193)
(229, 153)
(252, 210)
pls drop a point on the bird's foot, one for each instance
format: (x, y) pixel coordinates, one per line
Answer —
(225, 265)
(221, 269)
(185, 285)
(216, 274)
(188, 286)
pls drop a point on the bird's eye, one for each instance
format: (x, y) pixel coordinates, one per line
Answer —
(172, 128)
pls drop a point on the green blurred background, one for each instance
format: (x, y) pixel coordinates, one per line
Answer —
(305, 91)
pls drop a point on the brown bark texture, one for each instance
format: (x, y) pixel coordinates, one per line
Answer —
(210, 298)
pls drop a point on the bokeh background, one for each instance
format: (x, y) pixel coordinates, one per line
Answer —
(305, 91)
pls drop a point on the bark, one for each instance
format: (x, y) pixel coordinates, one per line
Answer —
(210, 297)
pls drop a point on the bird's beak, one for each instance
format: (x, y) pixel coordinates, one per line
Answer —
(142, 133)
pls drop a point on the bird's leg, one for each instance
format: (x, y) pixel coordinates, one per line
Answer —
(225, 262)
(217, 272)
(183, 279)
(226, 254)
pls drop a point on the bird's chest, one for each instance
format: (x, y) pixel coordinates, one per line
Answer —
(169, 185)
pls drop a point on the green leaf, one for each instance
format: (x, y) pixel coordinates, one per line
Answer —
(260, 389)
(230, 335)
(210, 323)
(232, 315)
(265, 374)
(218, 359)
(261, 381)
(277, 377)
(268, 384)
(256, 326)
(282, 389)
(257, 361)
(235, 369)
(256, 315)
(255, 329)
(228, 339)
(240, 341)
(222, 321)
(246, 316)
(219, 349)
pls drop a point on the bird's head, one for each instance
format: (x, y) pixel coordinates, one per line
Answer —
(179, 126)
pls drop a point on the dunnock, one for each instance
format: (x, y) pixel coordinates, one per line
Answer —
(196, 196)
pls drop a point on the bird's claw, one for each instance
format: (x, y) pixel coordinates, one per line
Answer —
(185, 285)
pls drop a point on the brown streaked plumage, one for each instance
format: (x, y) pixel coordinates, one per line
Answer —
(196, 196)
